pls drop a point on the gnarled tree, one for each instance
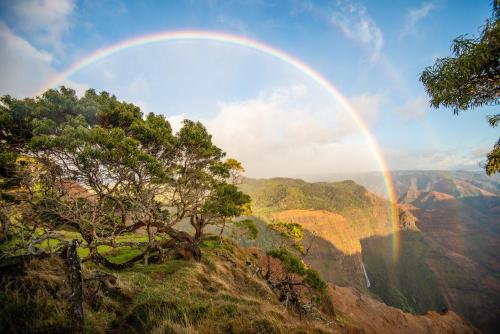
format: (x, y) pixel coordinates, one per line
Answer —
(105, 169)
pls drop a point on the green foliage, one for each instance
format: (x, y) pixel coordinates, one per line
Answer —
(227, 201)
(471, 78)
(282, 194)
(409, 283)
(98, 165)
(493, 164)
(291, 262)
(314, 280)
(292, 231)
(294, 265)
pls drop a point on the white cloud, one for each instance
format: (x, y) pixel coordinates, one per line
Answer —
(414, 109)
(25, 69)
(355, 22)
(413, 16)
(466, 158)
(368, 106)
(176, 121)
(48, 20)
(285, 132)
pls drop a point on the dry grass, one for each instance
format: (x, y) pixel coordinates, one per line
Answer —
(218, 295)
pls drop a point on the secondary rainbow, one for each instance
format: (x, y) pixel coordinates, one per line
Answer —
(266, 49)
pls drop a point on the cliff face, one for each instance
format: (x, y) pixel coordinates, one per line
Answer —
(335, 243)
(335, 218)
(372, 316)
(448, 233)
(463, 235)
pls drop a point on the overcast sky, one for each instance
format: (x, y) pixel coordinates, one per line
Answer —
(262, 111)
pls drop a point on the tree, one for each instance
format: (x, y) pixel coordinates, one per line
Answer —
(298, 286)
(19, 121)
(100, 167)
(471, 78)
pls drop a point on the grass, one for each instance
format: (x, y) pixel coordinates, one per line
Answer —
(217, 295)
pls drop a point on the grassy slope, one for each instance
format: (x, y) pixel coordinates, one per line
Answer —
(218, 295)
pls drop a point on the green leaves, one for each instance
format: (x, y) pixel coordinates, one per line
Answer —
(108, 170)
(227, 201)
(292, 231)
(493, 164)
(291, 262)
(314, 280)
(294, 265)
(471, 78)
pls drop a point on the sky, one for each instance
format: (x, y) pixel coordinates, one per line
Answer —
(261, 110)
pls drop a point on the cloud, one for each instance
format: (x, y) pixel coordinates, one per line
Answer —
(368, 106)
(465, 158)
(355, 22)
(287, 132)
(47, 20)
(138, 86)
(413, 16)
(176, 121)
(24, 68)
(414, 109)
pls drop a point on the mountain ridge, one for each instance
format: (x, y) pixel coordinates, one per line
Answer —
(433, 208)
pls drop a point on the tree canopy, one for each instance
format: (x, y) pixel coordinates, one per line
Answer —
(471, 78)
(100, 167)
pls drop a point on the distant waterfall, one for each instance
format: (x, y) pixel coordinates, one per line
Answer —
(368, 284)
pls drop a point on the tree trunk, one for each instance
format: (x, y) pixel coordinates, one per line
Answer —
(4, 230)
(183, 244)
(75, 282)
(198, 223)
(187, 250)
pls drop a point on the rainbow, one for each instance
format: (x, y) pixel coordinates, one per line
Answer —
(169, 36)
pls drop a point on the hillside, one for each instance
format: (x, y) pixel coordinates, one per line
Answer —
(222, 294)
(335, 216)
(447, 256)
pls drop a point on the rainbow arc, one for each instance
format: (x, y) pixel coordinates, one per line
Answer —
(265, 49)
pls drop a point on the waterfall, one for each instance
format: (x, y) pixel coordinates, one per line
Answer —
(366, 276)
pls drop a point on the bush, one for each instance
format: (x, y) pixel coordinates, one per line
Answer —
(291, 262)
(289, 230)
(294, 265)
(314, 280)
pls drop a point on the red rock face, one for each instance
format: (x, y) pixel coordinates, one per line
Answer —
(372, 316)
(464, 235)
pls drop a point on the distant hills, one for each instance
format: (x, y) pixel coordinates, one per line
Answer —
(449, 232)
(454, 183)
